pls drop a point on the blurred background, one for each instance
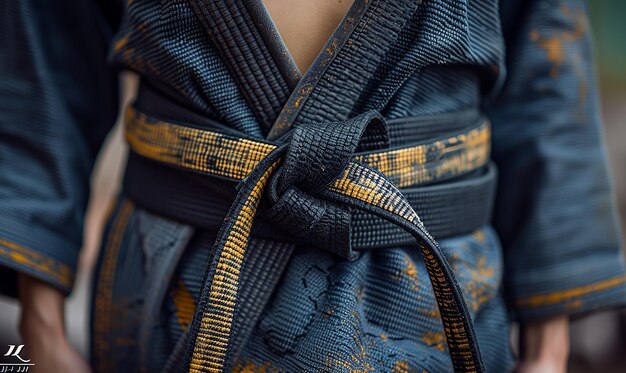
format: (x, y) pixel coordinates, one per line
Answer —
(598, 341)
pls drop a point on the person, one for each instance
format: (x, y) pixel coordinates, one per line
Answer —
(306, 117)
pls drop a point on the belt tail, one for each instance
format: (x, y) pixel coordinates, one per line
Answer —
(211, 332)
(210, 348)
(367, 189)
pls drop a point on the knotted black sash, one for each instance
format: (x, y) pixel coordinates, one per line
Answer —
(312, 181)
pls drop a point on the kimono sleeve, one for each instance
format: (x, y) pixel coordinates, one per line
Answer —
(58, 99)
(555, 211)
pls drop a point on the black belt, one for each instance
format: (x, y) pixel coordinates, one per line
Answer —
(314, 182)
(449, 209)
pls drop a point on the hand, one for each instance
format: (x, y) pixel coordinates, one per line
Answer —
(42, 329)
(544, 346)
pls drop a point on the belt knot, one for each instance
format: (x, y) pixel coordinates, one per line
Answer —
(317, 154)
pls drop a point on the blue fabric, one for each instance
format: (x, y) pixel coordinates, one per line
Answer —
(375, 313)
(58, 99)
(527, 64)
(555, 212)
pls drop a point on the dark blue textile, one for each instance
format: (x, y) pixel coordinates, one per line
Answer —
(58, 100)
(555, 213)
(527, 64)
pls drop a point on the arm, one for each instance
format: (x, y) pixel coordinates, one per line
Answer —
(555, 209)
(544, 345)
(42, 328)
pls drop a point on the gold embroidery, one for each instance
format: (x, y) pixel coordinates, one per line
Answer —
(436, 340)
(567, 295)
(185, 304)
(34, 260)
(400, 367)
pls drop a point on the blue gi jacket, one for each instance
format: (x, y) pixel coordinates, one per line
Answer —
(526, 64)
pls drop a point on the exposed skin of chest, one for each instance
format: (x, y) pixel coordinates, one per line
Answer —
(306, 25)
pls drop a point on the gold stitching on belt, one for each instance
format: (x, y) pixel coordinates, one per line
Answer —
(229, 156)
(210, 347)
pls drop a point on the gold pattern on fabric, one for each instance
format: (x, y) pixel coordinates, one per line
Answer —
(36, 261)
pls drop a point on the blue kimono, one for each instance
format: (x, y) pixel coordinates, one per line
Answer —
(392, 137)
